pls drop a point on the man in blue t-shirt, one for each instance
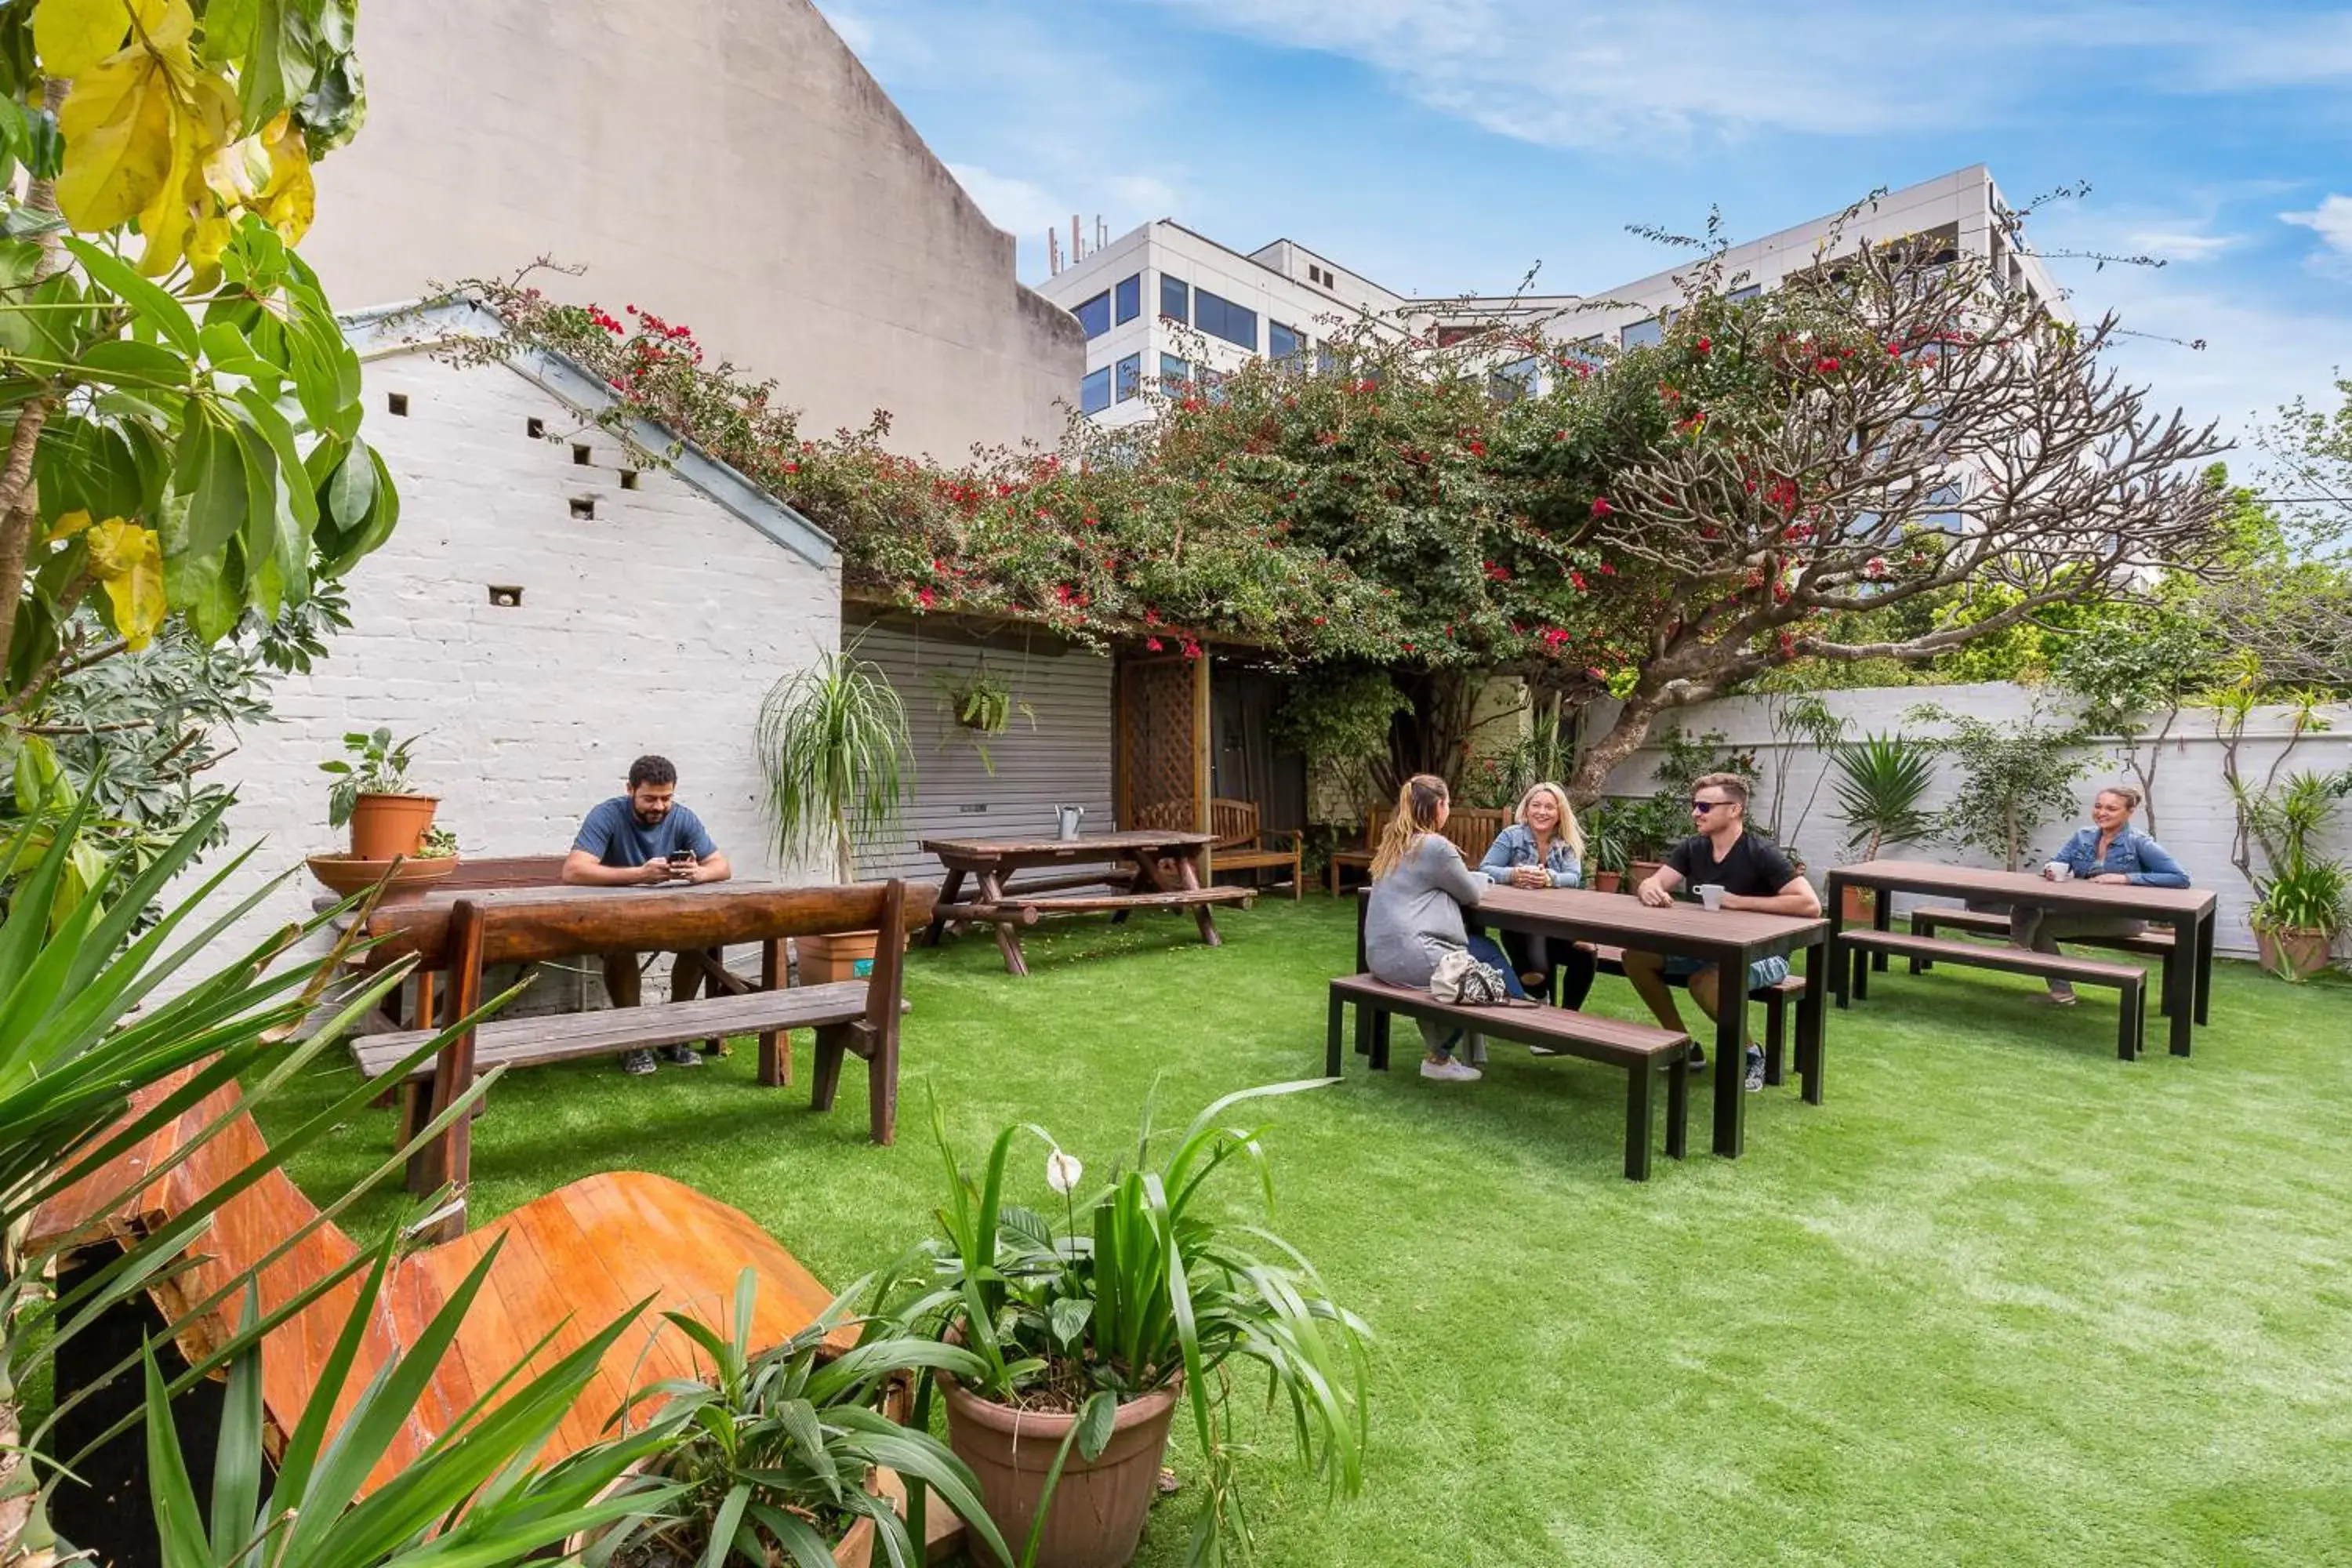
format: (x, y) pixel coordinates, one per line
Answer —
(643, 839)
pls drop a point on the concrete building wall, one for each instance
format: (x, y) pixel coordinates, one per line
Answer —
(727, 163)
(656, 626)
(2193, 815)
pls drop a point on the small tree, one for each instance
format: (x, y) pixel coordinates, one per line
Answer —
(2136, 678)
(833, 744)
(2014, 778)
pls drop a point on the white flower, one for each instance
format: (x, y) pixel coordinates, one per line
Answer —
(1062, 1171)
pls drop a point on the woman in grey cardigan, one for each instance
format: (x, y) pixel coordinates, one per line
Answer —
(1420, 887)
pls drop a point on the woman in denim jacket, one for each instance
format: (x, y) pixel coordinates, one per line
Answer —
(1543, 849)
(2110, 851)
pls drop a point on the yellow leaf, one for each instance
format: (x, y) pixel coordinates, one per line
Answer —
(165, 221)
(120, 127)
(129, 560)
(74, 34)
(66, 527)
(291, 199)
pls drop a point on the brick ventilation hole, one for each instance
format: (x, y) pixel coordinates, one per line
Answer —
(628, 478)
(505, 598)
(535, 428)
(583, 507)
(397, 402)
(583, 456)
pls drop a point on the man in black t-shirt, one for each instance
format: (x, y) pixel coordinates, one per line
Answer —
(1753, 874)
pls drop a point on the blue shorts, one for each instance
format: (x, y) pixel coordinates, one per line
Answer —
(1762, 972)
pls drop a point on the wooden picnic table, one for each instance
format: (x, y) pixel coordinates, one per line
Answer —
(2190, 913)
(1732, 939)
(1136, 880)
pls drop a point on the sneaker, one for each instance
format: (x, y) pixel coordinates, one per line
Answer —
(682, 1056)
(1449, 1071)
(1696, 1060)
(1755, 1069)
(2060, 998)
(639, 1063)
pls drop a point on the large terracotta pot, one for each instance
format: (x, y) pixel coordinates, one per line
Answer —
(1095, 1517)
(1859, 904)
(1640, 871)
(825, 959)
(383, 825)
(1606, 881)
(2299, 951)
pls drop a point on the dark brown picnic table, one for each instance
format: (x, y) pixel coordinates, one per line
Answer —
(2189, 912)
(1731, 938)
(1148, 869)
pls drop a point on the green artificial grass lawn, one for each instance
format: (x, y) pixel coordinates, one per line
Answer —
(2002, 1298)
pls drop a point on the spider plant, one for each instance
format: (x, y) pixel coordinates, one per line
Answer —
(832, 746)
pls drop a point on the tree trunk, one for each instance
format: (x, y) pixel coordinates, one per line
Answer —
(20, 516)
(1623, 739)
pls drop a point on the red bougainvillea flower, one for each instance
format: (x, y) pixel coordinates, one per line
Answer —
(1477, 449)
(1607, 570)
(1499, 574)
(1601, 507)
(1578, 578)
(1153, 645)
(1702, 345)
(1192, 648)
(926, 598)
(1874, 567)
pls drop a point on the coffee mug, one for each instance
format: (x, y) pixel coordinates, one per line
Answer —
(2059, 871)
(1711, 894)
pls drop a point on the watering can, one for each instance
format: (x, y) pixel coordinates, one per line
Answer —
(1066, 820)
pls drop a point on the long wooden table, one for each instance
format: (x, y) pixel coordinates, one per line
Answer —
(1732, 939)
(1135, 858)
(2190, 913)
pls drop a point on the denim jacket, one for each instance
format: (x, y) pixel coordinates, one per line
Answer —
(2140, 860)
(1515, 846)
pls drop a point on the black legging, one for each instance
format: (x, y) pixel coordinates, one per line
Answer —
(1565, 964)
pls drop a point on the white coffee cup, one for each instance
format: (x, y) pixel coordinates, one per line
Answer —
(2059, 871)
(1711, 894)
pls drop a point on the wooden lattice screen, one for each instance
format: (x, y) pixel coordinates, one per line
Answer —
(1159, 738)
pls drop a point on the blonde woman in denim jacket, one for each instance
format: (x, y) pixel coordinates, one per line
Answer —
(2110, 851)
(1543, 847)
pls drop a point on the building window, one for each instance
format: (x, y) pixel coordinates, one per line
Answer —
(1173, 374)
(1095, 315)
(1326, 359)
(1175, 298)
(1211, 385)
(1127, 377)
(1320, 275)
(1641, 333)
(1283, 343)
(1094, 392)
(1447, 336)
(1509, 383)
(1130, 298)
(1742, 296)
(1947, 518)
(1220, 318)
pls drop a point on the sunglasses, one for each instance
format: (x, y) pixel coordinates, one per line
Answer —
(1701, 807)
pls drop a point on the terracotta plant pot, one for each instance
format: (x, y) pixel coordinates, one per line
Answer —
(347, 874)
(2298, 951)
(1859, 905)
(1095, 1517)
(1641, 871)
(1606, 881)
(383, 825)
(825, 959)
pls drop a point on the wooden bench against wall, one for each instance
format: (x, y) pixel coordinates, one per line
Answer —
(1240, 844)
(468, 935)
(1469, 828)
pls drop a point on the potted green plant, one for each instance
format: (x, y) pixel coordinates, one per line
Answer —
(1604, 848)
(834, 751)
(2298, 914)
(371, 793)
(1094, 1320)
(794, 1454)
(1881, 781)
(981, 704)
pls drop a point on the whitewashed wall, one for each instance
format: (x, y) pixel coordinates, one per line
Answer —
(2193, 817)
(656, 626)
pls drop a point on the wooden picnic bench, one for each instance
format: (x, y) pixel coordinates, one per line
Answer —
(529, 925)
(1236, 841)
(1929, 918)
(1471, 830)
(1641, 1049)
(1610, 959)
(1154, 870)
(2127, 979)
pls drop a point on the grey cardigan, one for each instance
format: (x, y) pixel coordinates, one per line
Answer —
(1416, 911)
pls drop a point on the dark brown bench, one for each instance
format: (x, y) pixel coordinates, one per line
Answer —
(1928, 919)
(2128, 979)
(1642, 1049)
(857, 1018)
(1776, 998)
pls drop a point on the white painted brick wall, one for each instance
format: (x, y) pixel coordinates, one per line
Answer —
(655, 626)
(2194, 819)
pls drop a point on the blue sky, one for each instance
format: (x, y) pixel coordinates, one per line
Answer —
(1443, 145)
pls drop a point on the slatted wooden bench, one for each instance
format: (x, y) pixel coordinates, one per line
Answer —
(1640, 1048)
(2128, 979)
(1241, 845)
(1929, 918)
(1776, 998)
(1471, 830)
(857, 1018)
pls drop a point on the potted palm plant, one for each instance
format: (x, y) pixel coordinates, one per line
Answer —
(1093, 1321)
(1604, 848)
(834, 751)
(1882, 779)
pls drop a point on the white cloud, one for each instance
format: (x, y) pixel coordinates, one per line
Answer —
(1022, 206)
(2181, 244)
(854, 29)
(2332, 221)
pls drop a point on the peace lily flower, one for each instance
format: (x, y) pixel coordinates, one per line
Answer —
(1062, 1171)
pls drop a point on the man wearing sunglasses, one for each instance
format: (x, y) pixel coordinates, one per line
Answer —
(1754, 876)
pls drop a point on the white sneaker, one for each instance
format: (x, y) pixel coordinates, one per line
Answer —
(1450, 1072)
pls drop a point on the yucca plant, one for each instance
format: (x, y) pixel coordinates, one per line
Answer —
(770, 1457)
(1882, 779)
(1139, 1286)
(833, 749)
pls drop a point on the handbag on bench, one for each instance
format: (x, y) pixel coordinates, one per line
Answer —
(1464, 981)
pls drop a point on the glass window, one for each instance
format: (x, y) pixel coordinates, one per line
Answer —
(1213, 386)
(1946, 499)
(1326, 359)
(1642, 332)
(1509, 383)
(1742, 296)
(1127, 377)
(1130, 298)
(1094, 392)
(1095, 315)
(1175, 298)
(1220, 318)
(1283, 343)
(1173, 374)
